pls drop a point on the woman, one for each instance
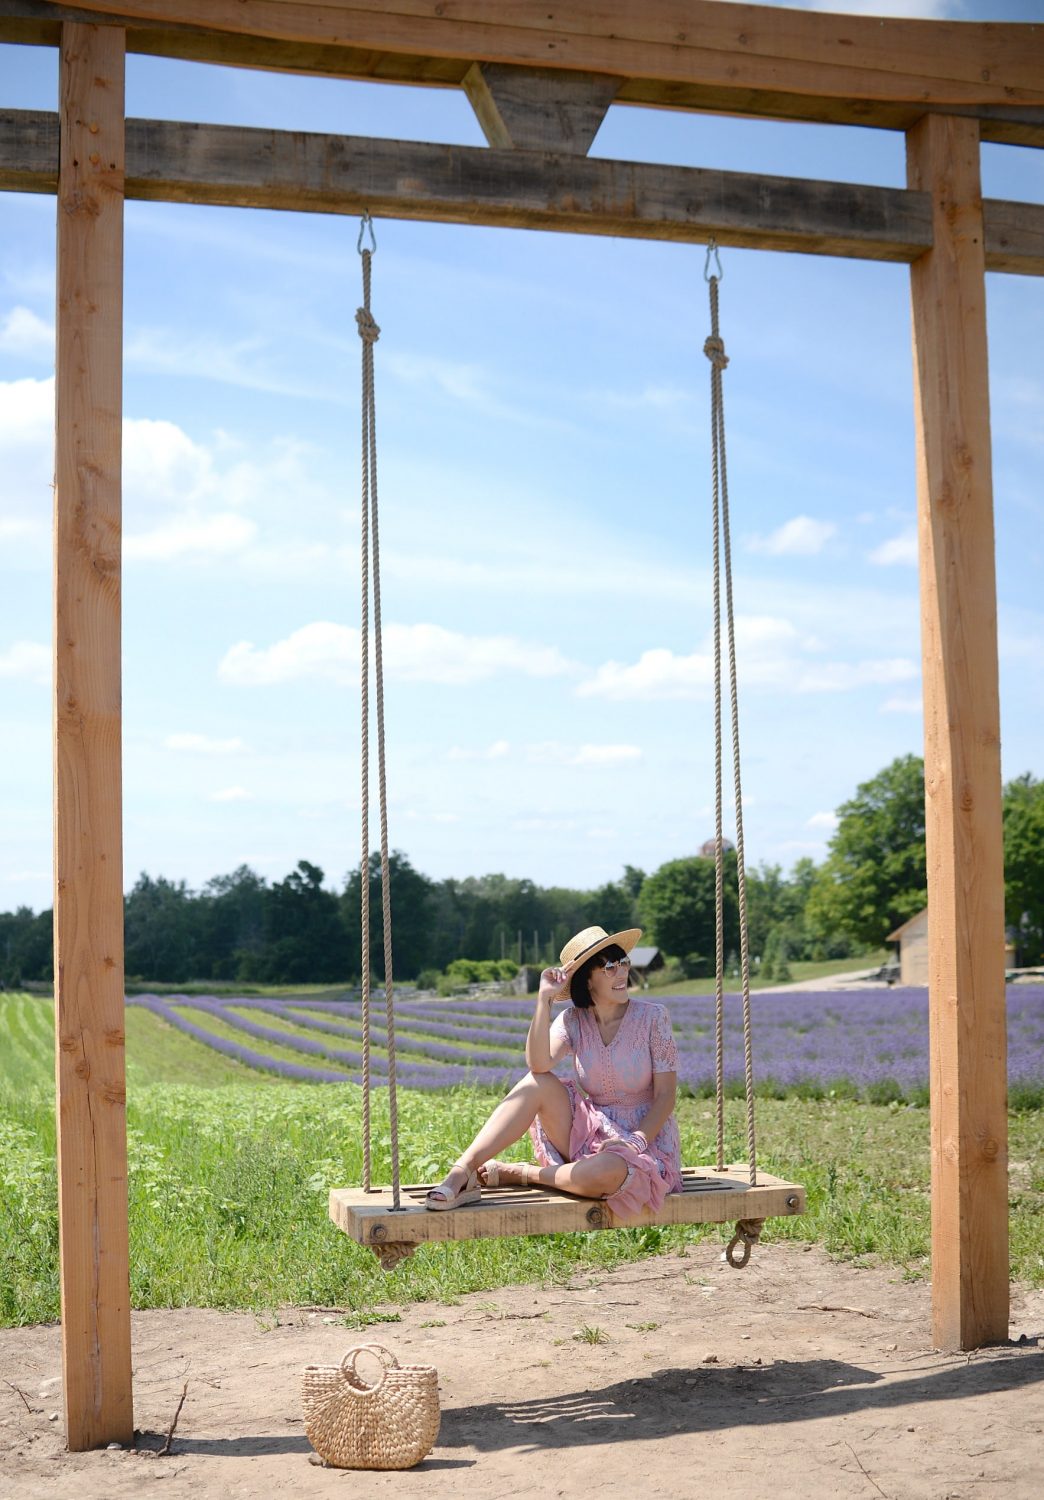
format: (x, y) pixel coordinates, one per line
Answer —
(611, 1133)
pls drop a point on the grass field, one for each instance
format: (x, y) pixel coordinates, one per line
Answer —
(230, 1168)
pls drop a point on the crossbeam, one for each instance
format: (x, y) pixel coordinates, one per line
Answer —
(186, 163)
(676, 54)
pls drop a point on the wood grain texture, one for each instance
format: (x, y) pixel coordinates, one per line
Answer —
(962, 748)
(88, 865)
(709, 1198)
(176, 162)
(684, 40)
(538, 109)
(739, 82)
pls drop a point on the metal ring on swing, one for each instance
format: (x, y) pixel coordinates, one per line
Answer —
(366, 223)
(712, 250)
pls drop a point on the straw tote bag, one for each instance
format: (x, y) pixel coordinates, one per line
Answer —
(391, 1424)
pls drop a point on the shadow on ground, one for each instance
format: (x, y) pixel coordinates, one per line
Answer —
(708, 1399)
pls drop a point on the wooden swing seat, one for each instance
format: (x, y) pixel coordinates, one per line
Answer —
(707, 1197)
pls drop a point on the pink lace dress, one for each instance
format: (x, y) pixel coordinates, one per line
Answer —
(611, 1091)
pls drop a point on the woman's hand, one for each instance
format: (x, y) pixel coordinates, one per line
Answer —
(551, 982)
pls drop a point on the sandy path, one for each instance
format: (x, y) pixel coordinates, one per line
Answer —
(797, 1376)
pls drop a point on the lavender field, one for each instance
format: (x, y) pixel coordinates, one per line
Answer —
(871, 1046)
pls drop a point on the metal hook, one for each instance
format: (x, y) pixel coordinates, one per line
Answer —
(712, 250)
(367, 223)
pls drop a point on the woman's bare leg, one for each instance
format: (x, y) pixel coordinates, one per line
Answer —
(595, 1176)
(536, 1094)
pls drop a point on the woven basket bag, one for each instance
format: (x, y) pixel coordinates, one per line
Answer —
(391, 1424)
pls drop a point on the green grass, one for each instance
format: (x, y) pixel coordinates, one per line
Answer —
(229, 1175)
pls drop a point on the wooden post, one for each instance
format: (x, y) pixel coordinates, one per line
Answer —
(961, 747)
(88, 862)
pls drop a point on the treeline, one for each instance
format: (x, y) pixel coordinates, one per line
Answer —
(242, 929)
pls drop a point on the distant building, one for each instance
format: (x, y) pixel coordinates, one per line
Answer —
(912, 938)
(645, 961)
(707, 848)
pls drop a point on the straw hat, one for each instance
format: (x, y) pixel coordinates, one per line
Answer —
(589, 942)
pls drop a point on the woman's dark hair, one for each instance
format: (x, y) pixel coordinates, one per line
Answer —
(578, 991)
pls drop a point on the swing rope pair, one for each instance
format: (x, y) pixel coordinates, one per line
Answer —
(714, 349)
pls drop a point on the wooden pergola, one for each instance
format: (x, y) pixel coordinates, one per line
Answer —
(541, 78)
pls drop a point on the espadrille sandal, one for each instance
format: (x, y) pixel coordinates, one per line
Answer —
(443, 1197)
(490, 1173)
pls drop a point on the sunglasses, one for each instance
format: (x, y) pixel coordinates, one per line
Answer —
(612, 964)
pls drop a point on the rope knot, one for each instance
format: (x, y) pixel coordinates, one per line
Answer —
(368, 329)
(714, 349)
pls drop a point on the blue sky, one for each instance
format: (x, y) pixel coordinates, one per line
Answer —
(543, 430)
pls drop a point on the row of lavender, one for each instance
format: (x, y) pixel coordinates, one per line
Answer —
(873, 1044)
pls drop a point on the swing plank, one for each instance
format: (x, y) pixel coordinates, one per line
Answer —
(707, 1197)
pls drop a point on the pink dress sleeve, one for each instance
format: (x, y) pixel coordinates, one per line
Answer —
(661, 1042)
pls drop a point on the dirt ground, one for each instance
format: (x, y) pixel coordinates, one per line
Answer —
(798, 1376)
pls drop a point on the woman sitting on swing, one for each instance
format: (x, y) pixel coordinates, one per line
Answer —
(611, 1133)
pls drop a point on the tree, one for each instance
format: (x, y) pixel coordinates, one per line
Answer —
(874, 876)
(26, 946)
(1024, 865)
(159, 930)
(305, 939)
(676, 907)
(414, 913)
(613, 907)
(231, 922)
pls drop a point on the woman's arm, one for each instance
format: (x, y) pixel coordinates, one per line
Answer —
(665, 1091)
(541, 1055)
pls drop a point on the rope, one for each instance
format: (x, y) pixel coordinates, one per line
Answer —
(714, 349)
(369, 333)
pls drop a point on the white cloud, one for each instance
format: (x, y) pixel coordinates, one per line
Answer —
(496, 751)
(191, 535)
(413, 653)
(900, 549)
(656, 674)
(27, 659)
(841, 676)
(552, 753)
(770, 656)
(801, 536)
(13, 528)
(246, 363)
(902, 705)
(27, 414)
(202, 744)
(927, 10)
(820, 820)
(23, 332)
(232, 794)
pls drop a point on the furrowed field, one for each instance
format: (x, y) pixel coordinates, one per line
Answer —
(242, 1113)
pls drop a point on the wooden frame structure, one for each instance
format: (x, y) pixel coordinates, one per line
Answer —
(540, 77)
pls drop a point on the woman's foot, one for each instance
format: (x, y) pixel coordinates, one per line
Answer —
(459, 1186)
(494, 1174)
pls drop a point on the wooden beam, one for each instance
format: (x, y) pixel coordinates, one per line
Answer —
(961, 748)
(171, 162)
(88, 862)
(834, 69)
(671, 40)
(539, 109)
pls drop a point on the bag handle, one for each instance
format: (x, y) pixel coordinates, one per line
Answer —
(385, 1356)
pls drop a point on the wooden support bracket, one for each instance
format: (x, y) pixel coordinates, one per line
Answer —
(539, 109)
